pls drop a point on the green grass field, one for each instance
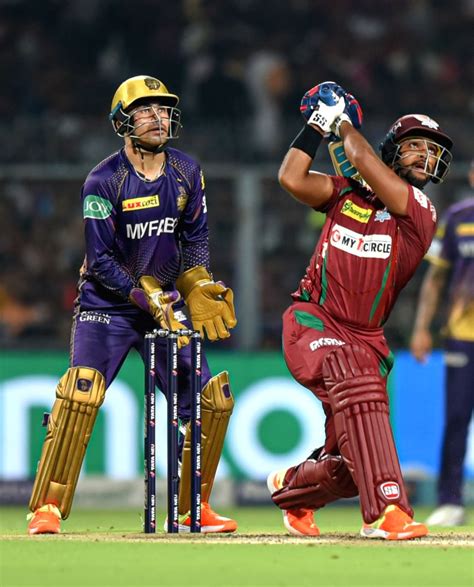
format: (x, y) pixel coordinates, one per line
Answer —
(107, 548)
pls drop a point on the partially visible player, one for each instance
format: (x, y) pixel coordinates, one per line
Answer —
(452, 267)
(374, 237)
(147, 252)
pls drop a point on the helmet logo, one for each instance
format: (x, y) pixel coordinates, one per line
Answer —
(151, 83)
(396, 126)
(426, 121)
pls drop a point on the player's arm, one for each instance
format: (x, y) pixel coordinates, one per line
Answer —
(390, 188)
(295, 176)
(99, 230)
(210, 303)
(430, 294)
(320, 107)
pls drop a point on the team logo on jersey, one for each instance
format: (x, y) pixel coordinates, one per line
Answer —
(376, 246)
(96, 207)
(181, 198)
(141, 203)
(382, 216)
(356, 212)
(420, 197)
(465, 229)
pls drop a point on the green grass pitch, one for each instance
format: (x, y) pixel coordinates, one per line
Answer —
(107, 548)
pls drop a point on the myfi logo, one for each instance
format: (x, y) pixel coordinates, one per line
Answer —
(97, 207)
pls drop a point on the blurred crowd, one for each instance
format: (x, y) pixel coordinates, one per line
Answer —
(240, 68)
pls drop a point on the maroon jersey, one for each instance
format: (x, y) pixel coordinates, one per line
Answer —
(365, 254)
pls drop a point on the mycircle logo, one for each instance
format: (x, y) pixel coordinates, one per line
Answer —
(335, 236)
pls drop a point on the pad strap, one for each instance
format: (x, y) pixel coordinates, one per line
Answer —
(79, 395)
(359, 403)
(315, 483)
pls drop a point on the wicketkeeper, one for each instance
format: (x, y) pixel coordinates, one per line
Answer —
(377, 231)
(147, 255)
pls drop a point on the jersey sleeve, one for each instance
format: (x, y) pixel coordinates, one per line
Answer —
(339, 183)
(99, 214)
(194, 232)
(443, 250)
(419, 225)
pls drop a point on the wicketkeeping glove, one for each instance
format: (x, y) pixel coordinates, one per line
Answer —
(210, 303)
(322, 105)
(151, 298)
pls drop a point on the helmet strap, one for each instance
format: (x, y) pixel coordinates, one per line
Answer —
(140, 147)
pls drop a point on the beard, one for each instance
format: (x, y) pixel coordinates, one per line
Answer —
(408, 175)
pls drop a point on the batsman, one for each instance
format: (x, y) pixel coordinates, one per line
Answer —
(379, 225)
(147, 261)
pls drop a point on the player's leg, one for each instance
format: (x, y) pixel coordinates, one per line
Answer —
(299, 491)
(359, 401)
(216, 408)
(323, 477)
(459, 405)
(99, 345)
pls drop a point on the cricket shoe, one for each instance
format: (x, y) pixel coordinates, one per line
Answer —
(211, 522)
(45, 520)
(299, 522)
(394, 524)
(447, 515)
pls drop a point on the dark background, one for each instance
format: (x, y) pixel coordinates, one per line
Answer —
(240, 69)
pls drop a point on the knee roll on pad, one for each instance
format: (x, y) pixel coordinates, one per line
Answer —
(359, 402)
(217, 404)
(315, 484)
(79, 394)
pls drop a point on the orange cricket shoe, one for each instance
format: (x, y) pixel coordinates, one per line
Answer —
(210, 521)
(394, 524)
(45, 520)
(299, 522)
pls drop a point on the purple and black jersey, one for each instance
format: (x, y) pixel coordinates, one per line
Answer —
(453, 248)
(136, 227)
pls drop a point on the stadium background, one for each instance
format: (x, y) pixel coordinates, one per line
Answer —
(240, 69)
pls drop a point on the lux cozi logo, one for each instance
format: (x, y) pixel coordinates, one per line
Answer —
(141, 203)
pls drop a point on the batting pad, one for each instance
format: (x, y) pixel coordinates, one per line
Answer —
(316, 483)
(217, 404)
(359, 403)
(79, 395)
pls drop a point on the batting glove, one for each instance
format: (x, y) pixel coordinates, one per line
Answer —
(352, 114)
(322, 105)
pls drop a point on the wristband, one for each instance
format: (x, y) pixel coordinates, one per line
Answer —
(307, 140)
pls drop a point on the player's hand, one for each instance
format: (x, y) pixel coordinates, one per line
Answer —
(151, 298)
(321, 105)
(352, 114)
(421, 345)
(210, 303)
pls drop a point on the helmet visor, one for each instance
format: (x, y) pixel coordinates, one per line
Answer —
(432, 158)
(148, 120)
